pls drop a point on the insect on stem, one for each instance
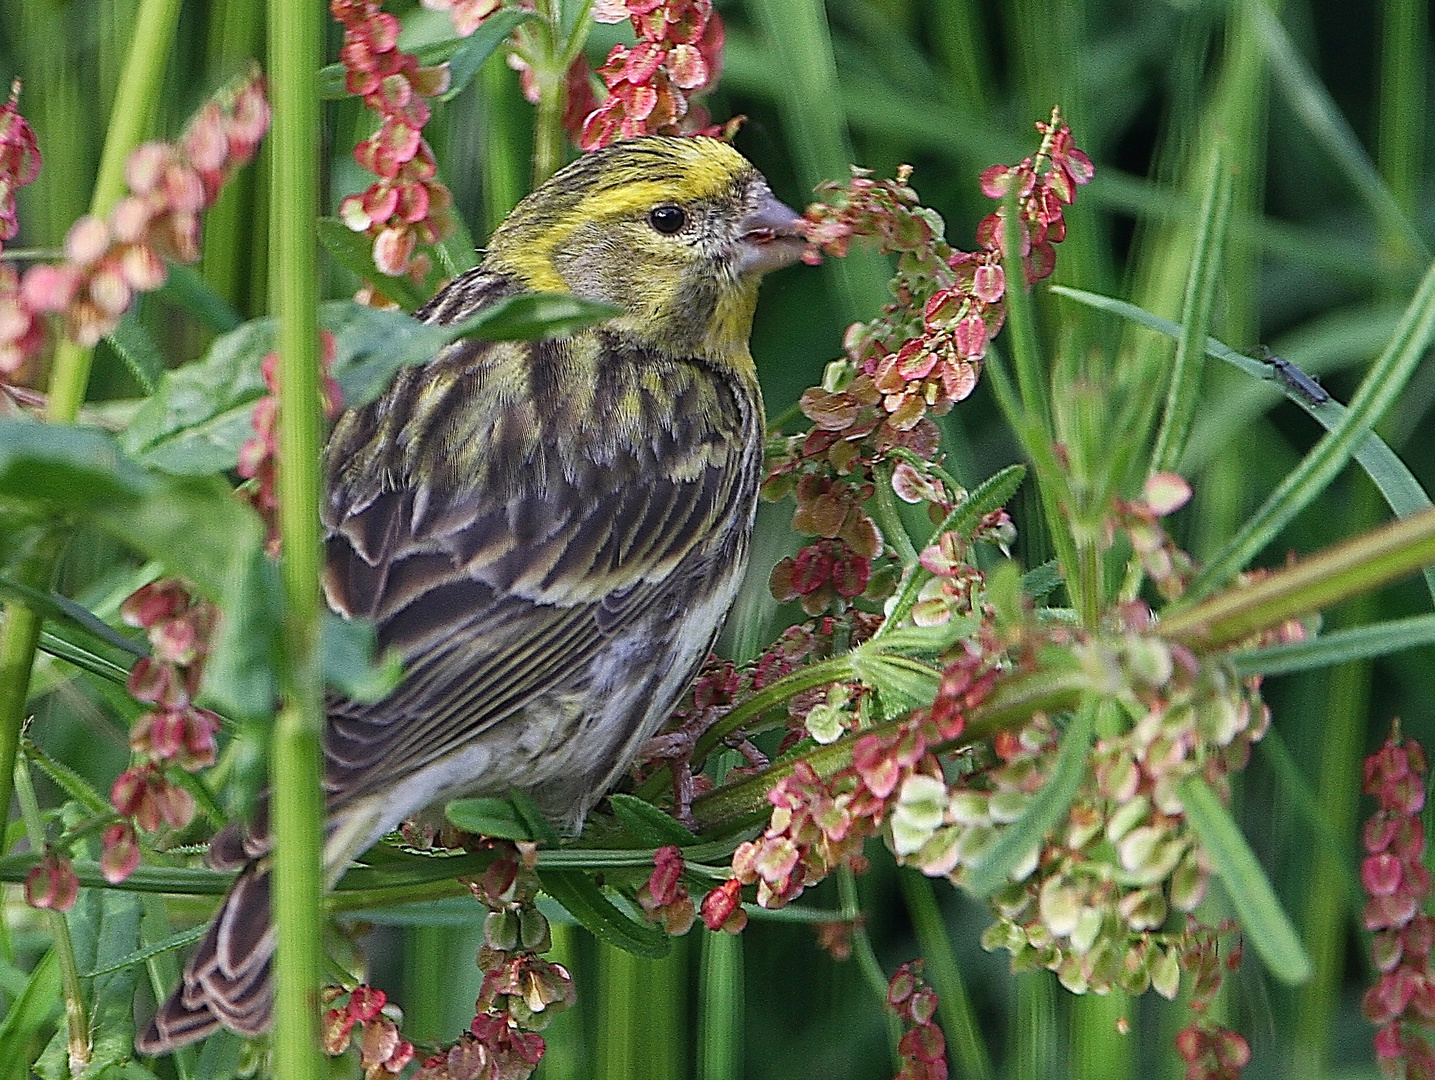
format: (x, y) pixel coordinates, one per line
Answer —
(1293, 378)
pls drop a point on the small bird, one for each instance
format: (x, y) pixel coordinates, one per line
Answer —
(549, 534)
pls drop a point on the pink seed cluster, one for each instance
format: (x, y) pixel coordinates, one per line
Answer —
(259, 455)
(521, 991)
(1394, 876)
(931, 363)
(664, 898)
(111, 259)
(19, 162)
(408, 205)
(677, 56)
(175, 731)
(922, 1047)
(51, 883)
(382, 1050)
(820, 824)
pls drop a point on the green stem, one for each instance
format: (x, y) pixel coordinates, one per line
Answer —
(720, 1023)
(298, 813)
(867, 963)
(17, 655)
(1356, 566)
(77, 1028)
(954, 1005)
(1011, 701)
(894, 532)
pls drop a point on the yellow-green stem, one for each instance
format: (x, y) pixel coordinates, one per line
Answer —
(76, 1028)
(298, 816)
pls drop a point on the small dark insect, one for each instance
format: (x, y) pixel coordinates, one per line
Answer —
(1293, 378)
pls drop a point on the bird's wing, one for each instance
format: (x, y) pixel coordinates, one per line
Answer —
(502, 513)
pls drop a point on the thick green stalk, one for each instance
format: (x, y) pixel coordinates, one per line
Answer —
(133, 115)
(1357, 566)
(295, 34)
(721, 1007)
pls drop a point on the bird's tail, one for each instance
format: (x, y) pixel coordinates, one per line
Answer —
(227, 981)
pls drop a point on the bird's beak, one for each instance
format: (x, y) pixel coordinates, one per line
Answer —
(771, 236)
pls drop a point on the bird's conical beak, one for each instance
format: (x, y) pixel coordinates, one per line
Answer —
(771, 237)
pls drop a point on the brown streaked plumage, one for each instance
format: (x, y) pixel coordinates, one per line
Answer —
(549, 533)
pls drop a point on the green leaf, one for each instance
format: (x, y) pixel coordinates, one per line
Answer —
(497, 818)
(928, 640)
(534, 317)
(349, 664)
(1265, 922)
(355, 252)
(1048, 805)
(139, 956)
(240, 675)
(585, 902)
(69, 781)
(468, 54)
(138, 350)
(220, 1059)
(1337, 647)
(540, 828)
(903, 684)
(27, 1015)
(651, 826)
(1042, 581)
(186, 290)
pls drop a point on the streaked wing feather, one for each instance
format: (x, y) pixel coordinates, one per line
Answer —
(506, 548)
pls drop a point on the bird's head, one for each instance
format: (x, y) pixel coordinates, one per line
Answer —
(675, 232)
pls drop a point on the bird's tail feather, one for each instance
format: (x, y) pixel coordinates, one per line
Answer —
(227, 980)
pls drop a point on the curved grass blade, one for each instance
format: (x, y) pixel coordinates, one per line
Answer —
(1401, 491)
(586, 903)
(1261, 915)
(1053, 800)
(1338, 647)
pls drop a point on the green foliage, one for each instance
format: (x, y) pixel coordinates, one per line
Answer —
(1259, 213)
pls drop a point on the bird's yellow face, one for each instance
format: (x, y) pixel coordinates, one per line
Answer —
(675, 232)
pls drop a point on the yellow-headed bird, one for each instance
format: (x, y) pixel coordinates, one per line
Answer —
(549, 533)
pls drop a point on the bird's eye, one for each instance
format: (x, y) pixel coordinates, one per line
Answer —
(667, 219)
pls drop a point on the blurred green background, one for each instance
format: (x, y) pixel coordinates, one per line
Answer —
(1320, 107)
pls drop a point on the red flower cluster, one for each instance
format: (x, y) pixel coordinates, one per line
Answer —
(259, 455)
(109, 260)
(664, 898)
(407, 206)
(922, 1047)
(818, 825)
(382, 1050)
(1044, 183)
(1168, 567)
(19, 162)
(52, 883)
(1394, 875)
(175, 731)
(678, 55)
